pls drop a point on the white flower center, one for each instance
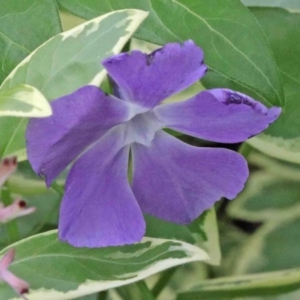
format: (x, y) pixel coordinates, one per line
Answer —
(142, 128)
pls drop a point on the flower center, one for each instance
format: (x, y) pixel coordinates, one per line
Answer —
(142, 128)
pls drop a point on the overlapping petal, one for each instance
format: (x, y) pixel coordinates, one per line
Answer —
(177, 182)
(149, 79)
(99, 208)
(218, 115)
(78, 120)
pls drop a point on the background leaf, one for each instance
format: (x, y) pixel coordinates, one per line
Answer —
(282, 30)
(234, 45)
(59, 271)
(24, 25)
(288, 4)
(202, 232)
(73, 60)
(25, 184)
(259, 234)
(245, 286)
(24, 101)
(271, 201)
(266, 198)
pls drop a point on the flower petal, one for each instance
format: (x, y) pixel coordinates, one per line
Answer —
(7, 166)
(78, 120)
(177, 182)
(99, 208)
(149, 79)
(218, 115)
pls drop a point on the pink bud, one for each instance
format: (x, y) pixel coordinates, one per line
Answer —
(20, 286)
(14, 210)
(7, 167)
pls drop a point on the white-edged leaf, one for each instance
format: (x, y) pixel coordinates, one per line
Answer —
(265, 284)
(273, 247)
(206, 233)
(266, 198)
(285, 149)
(66, 62)
(24, 101)
(202, 232)
(56, 270)
(287, 4)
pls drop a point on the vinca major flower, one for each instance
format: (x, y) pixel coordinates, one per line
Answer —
(171, 180)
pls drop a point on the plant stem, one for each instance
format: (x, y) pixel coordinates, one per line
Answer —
(102, 295)
(57, 188)
(135, 291)
(163, 281)
(12, 226)
(245, 149)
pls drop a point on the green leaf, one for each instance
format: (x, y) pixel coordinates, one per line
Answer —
(281, 29)
(266, 197)
(234, 45)
(279, 168)
(206, 233)
(272, 199)
(158, 228)
(272, 283)
(24, 101)
(69, 21)
(24, 25)
(66, 62)
(273, 247)
(202, 232)
(278, 147)
(56, 270)
(24, 183)
(287, 4)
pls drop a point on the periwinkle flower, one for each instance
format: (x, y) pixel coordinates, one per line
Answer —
(171, 180)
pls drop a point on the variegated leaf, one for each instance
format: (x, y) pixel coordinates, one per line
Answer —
(66, 62)
(24, 101)
(56, 270)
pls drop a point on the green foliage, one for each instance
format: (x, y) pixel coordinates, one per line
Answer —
(25, 184)
(73, 60)
(280, 28)
(228, 37)
(251, 50)
(202, 232)
(24, 25)
(59, 271)
(274, 201)
(23, 101)
(245, 286)
(287, 4)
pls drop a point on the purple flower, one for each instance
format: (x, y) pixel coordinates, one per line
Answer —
(171, 180)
